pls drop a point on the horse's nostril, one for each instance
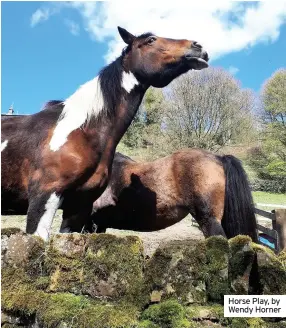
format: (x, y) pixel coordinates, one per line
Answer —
(197, 45)
(205, 56)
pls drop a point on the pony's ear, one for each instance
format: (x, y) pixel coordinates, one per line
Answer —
(125, 35)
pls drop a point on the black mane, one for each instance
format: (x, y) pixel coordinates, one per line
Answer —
(52, 103)
(121, 157)
(110, 78)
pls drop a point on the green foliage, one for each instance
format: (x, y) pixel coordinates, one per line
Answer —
(276, 185)
(274, 96)
(146, 124)
(269, 159)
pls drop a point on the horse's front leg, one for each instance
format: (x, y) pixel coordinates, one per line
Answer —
(76, 213)
(41, 211)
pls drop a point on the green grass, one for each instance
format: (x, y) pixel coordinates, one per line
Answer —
(269, 198)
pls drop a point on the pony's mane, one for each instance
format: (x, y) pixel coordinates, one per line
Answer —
(51, 103)
(120, 157)
(110, 78)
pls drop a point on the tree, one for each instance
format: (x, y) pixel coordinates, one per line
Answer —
(146, 124)
(207, 109)
(273, 149)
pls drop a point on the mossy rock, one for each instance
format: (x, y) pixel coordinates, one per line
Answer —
(21, 297)
(99, 315)
(168, 314)
(177, 270)
(248, 323)
(240, 264)
(171, 314)
(11, 231)
(64, 262)
(25, 251)
(113, 268)
(205, 312)
(217, 253)
(282, 258)
(279, 324)
(271, 271)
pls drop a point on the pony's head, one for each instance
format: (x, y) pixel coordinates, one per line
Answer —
(157, 61)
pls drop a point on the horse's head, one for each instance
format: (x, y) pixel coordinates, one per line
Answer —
(157, 61)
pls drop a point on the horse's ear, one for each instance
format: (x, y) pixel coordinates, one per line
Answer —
(125, 35)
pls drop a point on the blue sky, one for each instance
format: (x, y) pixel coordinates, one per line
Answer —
(48, 50)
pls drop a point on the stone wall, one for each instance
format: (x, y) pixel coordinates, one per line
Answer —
(104, 281)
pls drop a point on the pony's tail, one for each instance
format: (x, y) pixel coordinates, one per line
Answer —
(238, 216)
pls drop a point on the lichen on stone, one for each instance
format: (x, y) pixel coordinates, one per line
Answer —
(217, 253)
(64, 262)
(113, 268)
(271, 271)
(240, 263)
(177, 270)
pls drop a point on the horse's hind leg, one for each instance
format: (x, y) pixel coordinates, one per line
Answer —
(41, 212)
(208, 215)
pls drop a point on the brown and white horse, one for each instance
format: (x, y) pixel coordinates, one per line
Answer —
(62, 155)
(154, 195)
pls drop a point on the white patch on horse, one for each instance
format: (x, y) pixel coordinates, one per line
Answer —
(4, 145)
(128, 81)
(85, 103)
(44, 226)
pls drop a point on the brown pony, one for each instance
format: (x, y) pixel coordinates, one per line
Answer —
(154, 195)
(62, 155)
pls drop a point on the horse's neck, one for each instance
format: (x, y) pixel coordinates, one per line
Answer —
(112, 129)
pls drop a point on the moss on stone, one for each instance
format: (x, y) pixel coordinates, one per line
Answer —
(280, 324)
(147, 324)
(42, 282)
(177, 270)
(167, 314)
(19, 295)
(25, 251)
(107, 315)
(201, 312)
(11, 231)
(64, 262)
(61, 308)
(240, 263)
(217, 252)
(282, 258)
(113, 268)
(247, 323)
(271, 272)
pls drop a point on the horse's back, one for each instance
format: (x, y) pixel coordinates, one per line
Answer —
(199, 167)
(20, 140)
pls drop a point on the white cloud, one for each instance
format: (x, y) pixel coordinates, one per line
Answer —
(233, 70)
(206, 22)
(73, 27)
(40, 15)
(222, 26)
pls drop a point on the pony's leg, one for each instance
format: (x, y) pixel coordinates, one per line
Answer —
(101, 229)
(76, 214)
(208, 222)
(41, 212)
(210, 226)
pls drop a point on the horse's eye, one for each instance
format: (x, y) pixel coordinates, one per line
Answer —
(151, 40)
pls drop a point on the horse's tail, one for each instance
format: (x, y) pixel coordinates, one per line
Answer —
(238, 216)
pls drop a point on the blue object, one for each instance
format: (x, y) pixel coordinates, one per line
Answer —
(266, 242)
